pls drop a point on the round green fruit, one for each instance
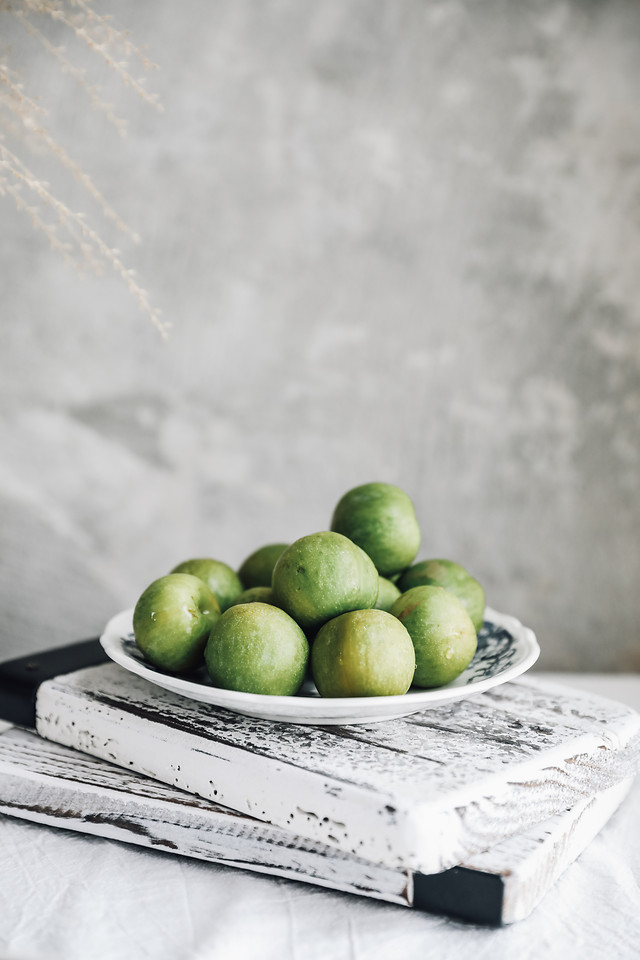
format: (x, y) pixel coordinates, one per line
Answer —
(223, 582)
(257, 569)
(172, 621)
(388, 593)
(443, 635)
(365, 653)
(321, 576)
(254, 595)
(381, 519)
(257, 648)
(451, 576)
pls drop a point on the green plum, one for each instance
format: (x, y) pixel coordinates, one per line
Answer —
(363, 653)
(172, 621)
(388, 593)
(254, 595)
(223, 582)
(442, 632)
(381, 519)
(257, 569)
(257, 648)
(321, 576)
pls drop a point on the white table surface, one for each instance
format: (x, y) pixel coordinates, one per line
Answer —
(66, 895)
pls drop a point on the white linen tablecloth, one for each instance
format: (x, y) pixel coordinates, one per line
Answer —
(66, 895)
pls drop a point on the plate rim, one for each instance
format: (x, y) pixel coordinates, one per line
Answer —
(320, 710)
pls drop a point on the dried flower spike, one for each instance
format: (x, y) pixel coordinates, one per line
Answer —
(21, 122)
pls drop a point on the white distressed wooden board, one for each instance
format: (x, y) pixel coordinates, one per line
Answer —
(57, 786)
(421, 793)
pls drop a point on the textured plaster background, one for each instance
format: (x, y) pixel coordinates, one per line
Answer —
(397, 241)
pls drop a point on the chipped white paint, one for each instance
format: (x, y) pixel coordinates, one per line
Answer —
(54, 785)
(420, 793)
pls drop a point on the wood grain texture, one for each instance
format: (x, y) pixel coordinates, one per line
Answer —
(54, 785)
(422, 793)
(539, 855)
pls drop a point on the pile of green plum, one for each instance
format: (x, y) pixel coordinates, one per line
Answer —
(349, 606)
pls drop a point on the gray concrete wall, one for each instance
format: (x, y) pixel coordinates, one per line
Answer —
(397, 241)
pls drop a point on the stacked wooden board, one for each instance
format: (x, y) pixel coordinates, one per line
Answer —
(471, 809)
(53, 785)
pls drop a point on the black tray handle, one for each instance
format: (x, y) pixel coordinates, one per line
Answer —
(20, 678)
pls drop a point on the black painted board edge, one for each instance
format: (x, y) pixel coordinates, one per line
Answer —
(462, 893)
(20, 678)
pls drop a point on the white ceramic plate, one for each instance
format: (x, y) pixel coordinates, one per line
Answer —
(506, 649)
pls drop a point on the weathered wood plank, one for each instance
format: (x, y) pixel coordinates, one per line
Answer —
(421, 793)
(54, 785)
